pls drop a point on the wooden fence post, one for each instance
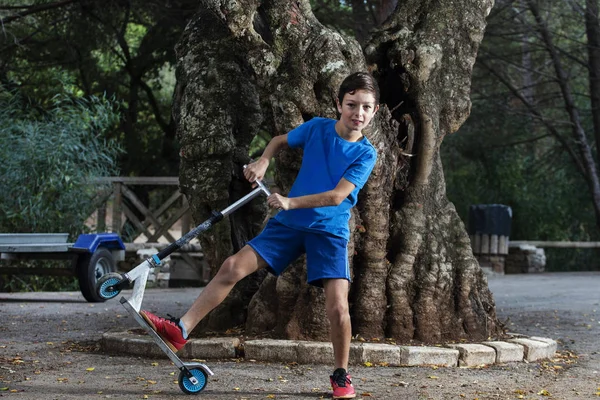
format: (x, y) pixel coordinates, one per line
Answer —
(117, 208)
(101, 221)
(186, 220)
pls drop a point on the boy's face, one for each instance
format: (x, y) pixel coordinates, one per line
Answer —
(357, 110)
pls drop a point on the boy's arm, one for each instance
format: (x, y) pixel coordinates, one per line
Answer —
(256, 170)
(332, 197)
(356, 175)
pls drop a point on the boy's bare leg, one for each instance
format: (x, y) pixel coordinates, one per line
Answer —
(233, 269)
(336, 303)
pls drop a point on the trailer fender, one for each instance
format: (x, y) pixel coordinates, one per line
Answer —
(89, 243)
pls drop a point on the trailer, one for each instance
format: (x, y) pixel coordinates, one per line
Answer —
(92, 256)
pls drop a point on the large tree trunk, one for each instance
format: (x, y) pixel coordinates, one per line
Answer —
(251, 65)
(435, 288)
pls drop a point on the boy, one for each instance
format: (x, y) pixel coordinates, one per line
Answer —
(336, 163)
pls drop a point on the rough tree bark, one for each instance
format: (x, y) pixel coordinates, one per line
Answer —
(250, 65)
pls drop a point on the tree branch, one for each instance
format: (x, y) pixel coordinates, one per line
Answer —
(14, 7)
(35, 9)
(125, 57)
(533, 110)
(20, 42)
(154, 104)
(520, 142)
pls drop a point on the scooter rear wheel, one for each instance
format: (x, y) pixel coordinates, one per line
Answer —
(187, 386)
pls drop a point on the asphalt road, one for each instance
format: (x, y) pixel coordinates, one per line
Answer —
(49, 350)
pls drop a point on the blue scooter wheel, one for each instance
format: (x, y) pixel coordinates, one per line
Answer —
(187, 386)
(108, 286)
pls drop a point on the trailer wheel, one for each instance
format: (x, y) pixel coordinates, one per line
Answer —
(90, 268)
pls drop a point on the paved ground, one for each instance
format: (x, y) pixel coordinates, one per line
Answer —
(48, 350)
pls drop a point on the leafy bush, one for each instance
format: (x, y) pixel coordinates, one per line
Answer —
(49, 159)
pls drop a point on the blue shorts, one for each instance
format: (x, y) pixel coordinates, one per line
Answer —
(326, 254)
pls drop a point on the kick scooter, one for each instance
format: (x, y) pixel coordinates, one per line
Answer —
(192, 376)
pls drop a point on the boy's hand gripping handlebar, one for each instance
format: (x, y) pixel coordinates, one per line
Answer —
(261, 185)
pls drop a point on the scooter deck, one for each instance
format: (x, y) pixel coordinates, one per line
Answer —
(161, 343)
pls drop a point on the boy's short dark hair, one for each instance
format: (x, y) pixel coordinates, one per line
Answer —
(359, 81)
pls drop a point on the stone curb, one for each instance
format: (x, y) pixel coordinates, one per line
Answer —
(303, 352)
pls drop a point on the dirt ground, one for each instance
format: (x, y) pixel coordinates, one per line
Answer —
(49, 350)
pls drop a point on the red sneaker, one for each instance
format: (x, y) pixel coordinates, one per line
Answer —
(167, 329)
(341, 383)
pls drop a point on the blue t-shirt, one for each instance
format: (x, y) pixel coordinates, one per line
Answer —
(327, 159)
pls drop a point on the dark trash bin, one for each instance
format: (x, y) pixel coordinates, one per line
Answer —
(489, 228)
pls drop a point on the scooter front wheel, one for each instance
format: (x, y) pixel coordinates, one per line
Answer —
(109, 285)
(187, 386)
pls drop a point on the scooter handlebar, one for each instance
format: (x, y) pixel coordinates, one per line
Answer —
(261, 185)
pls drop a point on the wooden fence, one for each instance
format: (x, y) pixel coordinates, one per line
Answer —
(155, 224)
(556, 244)
(120, 189)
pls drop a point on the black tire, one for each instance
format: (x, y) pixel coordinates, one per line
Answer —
(90, 268)
(109, 285)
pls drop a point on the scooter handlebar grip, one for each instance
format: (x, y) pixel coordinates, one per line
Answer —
(168, 250)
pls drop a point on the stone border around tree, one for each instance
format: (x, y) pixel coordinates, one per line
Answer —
(517, 349)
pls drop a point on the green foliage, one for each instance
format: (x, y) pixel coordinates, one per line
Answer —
(38, 283)
(335, 14)
(537, 186)
(49, 158)
(125, 49)
(535, 180)
(506, 154)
